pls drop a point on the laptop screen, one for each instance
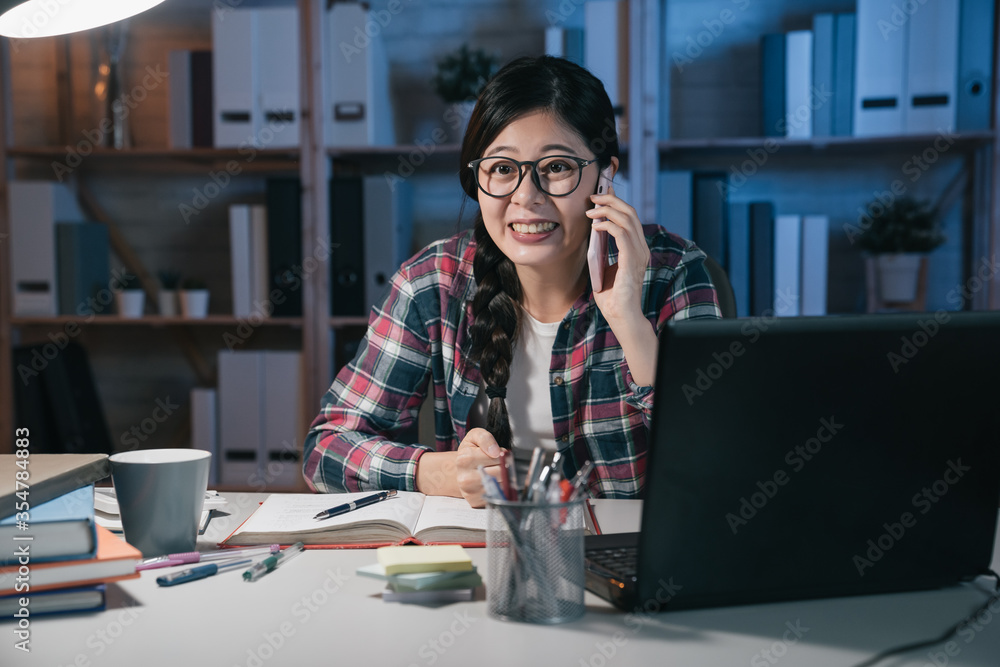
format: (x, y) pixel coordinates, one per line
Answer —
(810, 457)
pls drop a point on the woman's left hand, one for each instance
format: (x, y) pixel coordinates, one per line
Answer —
(621, 299)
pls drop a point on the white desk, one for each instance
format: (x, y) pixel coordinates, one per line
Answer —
(318, 612)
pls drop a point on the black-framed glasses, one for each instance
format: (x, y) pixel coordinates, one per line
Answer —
(555, 175)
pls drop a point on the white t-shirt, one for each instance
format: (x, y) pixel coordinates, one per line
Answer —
(529, 403)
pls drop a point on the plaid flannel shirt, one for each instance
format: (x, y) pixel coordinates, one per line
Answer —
(363, 436)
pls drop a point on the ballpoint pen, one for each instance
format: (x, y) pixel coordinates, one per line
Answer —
(200, 572)
(186, 557)
(260, 568)
(347, 507)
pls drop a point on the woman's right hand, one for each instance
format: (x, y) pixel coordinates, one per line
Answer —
(478, 448)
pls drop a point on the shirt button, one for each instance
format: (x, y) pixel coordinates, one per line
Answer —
(565, 438)
(558, 380)
(566, 326)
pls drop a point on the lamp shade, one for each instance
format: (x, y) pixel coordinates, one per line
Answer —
(46, 18)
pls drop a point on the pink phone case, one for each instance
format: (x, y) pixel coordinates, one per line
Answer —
(597, 253)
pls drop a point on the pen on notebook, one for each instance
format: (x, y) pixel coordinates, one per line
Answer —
(271, 563)
(353, 505)
(202, 571)
(186, 557)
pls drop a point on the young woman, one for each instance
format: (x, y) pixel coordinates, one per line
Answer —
(501, 321)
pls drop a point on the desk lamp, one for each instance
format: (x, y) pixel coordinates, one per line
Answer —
(46, 18)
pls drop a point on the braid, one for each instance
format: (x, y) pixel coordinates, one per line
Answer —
(495, 320)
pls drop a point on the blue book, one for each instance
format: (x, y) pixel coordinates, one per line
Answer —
(824, 47)
(762, 258)
(842, 102)
(82, 251)
(58, 601)
(61, 529)
(772, 86)
(975, 65)
(739, 257)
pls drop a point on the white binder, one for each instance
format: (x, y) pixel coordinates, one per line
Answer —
(604, 50)
(798, 84)
(932, 68)
(234, 78)
(241, 257)
(787, 265)
(358, 107)
(278, 65)
(878, 71)
(815, 259)
(281, 435)
(240, 407)
(675, 205)
(34, 209)
(388, 233)
(204, 427)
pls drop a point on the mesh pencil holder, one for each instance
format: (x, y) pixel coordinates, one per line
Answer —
(535, 561)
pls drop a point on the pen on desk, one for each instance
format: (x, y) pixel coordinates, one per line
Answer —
(200, 572)
(186, 557)
(259, 569)
(353, 505)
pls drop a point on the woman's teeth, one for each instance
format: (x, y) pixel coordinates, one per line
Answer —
(533, 228)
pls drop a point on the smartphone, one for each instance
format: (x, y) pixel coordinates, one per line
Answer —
(597, 253)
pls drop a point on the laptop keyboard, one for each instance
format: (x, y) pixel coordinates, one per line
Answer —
(620, 561)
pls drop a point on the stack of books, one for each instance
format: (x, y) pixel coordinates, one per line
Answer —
(60, 560)
(425, 574)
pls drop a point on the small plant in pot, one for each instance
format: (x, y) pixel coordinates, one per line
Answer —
(458, 79)
(169, 282)
(131, 299)
(898, 239)
(194, 298)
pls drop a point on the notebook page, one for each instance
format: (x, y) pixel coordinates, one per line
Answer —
(294, 512)
(448, 511)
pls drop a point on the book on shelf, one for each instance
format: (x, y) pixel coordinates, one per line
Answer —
(833, 74)
(58, 601)
(408, 518)
(248, 258)
(190, 91)
(116, 559)
(62, 528)
(52, 475)
(82, 264)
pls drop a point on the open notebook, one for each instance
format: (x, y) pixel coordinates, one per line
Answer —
(409, 517)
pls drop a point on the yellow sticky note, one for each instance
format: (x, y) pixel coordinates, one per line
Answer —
(434, 558)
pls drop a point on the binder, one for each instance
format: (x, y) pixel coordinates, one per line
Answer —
(932, 68)
(975, 65)
(878, 71)
(281, 433)
(241, 258)
(798, 84)
(772, 80)
(388, 231)
(260, 275)
(190, 102)
(284, 245)
(605, 50)
(787, 265)
(710, 215)
(278, 67)
(359, 107)
(676, 188)
(815, 260)
(235, 78)
(347, 243)
(34, 209)
(239, 416)
(761, 258)
(842, 101)
(83, 259)
(565, 43)
(824, 71)
(205, 427)
(739, 257)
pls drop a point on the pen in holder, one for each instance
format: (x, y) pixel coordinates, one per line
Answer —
(535, 561)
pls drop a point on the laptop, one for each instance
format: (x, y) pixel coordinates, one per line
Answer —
(813, 457)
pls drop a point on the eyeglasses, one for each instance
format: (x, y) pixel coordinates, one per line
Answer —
(555, 175)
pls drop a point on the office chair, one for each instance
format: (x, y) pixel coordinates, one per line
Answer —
(723, 288)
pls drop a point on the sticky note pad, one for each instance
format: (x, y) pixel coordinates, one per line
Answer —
(434, 558)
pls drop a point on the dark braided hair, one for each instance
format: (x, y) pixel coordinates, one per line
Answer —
(524, 85)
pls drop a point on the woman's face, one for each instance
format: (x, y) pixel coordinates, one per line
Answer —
(529, 226)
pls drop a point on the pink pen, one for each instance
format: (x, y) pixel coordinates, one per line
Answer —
(205, 556)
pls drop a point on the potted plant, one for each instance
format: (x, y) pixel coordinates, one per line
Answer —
(131, 298)
(459, 78)
(898, 240)
(194, 298)
(169, 280)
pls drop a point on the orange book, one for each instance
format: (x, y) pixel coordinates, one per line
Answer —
(116, 559)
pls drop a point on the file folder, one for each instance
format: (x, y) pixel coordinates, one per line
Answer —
(235, 81)
(278, 65)
(932, 67)
(975, 65)
(388, 232)
(878, 71)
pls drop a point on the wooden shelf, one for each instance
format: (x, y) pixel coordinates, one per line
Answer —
(152, 321)
(823, 146)
(248, 159)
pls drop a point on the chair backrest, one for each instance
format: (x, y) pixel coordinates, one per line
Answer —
(723, 288)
